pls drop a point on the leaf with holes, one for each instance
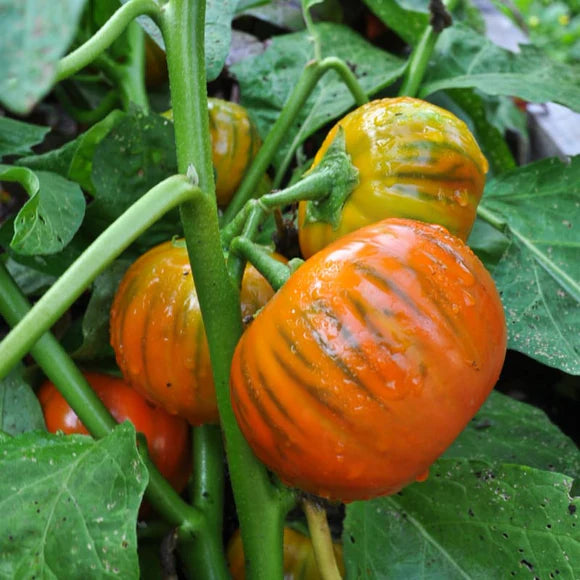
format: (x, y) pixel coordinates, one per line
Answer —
(50, 218)
(70, 503)
(539, 275)
(468, 520)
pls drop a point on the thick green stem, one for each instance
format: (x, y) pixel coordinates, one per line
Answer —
(321, 541)
(311, 75)
(260, 509)
(116, 238)
(62, 371)
(114, 27)
(418, 63)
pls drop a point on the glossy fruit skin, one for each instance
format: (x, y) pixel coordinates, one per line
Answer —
(167, 436)
(369, 361)
(299, 559)
(234, 141)
(158, 336)
(415, 160)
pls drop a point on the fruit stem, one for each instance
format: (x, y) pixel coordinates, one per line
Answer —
(114, 240)
(321, 540)
(312, 73)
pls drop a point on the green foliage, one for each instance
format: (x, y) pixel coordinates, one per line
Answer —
(466, 59)
(502, 501)
(539, 275)
(70, 503)
(33, 37)
(52, 215)
(19, 408)
(16, 137)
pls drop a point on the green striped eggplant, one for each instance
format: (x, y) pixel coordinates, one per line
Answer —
(415, 160)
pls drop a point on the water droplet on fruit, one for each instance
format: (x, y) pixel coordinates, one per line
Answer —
(461, 197)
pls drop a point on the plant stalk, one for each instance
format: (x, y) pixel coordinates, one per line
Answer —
(258, 504)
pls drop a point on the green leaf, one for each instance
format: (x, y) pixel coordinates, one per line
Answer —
(19, 408)
(17, 138)
(539, 275)
(508, 431)
(29, 280)
(74, 160)
(267, 80)
(136, 155)
(407, 18)
(488, 243)
(70, 504)
(466, 59)
(467, 521)
(50, 218)
(34, 35)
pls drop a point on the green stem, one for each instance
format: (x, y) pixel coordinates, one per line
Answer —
(321, 541)
(62, 371)
(109, 32)
(132, 84)
(418, 63)
(116, 238)
(273, 270)
(259, 505)
(207, 495)
(308, 80)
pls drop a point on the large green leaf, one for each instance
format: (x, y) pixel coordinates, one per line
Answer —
(16, 137)
(19, 408)
(468, 520)
(508, 431)
(267, 80)
(69, 505)
(50, 218)
(34, 35)
(466, 59)
(539, 275)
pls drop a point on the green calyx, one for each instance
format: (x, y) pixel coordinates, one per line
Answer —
(342, 180)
